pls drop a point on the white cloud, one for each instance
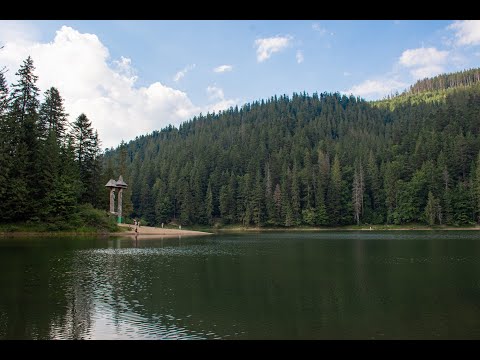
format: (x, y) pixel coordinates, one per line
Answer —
(376, 89)
(267, 46)
(216, 94)
(319, 29)
(16, 31)
(427, 71)
(183, 72)
(223, 68)
(78, 64)
(467, 32)
(422, 57)
(424, 62)
(124, 67)
(299, 56)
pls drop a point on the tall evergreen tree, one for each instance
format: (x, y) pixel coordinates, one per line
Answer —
(3, 94)
(53, 116)
(5, 159)
(358, 189)
(209, 204)
(334, 194)
(477, 188)
(23, 201)
(85, 152)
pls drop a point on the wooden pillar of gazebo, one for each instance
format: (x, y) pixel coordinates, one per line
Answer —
(120, 185)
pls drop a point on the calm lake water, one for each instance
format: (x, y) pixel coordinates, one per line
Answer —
(328, 285)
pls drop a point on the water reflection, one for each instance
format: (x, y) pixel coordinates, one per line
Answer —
(262, 286)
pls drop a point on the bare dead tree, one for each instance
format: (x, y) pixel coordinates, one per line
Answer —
(358, 190)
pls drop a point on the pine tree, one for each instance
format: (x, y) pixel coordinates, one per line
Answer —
(373, 189)
(358, 189)
(53, 116)
(295, 196)
(286, 210)
(334, 194)
(432, 210)
(209, 204)
(3, 94)
(277, 198)
(269, 197)
(258, 203)
(323, 179)
(225, 203)
(5, 158)
(21, 124)
(95, 186)
(477, 188)
(85, 151)
(52, 124)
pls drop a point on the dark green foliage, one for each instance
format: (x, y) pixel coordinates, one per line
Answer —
(46, 171)
(294, 161)
(53, 116)
(476, 186)
(320, 160)
(86, 145)
(3, 94)
(22, 147)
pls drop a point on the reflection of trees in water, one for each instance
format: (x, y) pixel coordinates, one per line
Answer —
(40, 295)
(76, 322)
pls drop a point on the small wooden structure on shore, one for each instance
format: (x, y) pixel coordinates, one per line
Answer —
(112, 185)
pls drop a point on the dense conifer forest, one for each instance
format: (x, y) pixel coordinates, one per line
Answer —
(323, 159)
(50, 169)
(319, 160)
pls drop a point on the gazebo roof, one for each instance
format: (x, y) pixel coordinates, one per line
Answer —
(111, 183)
(121, 183)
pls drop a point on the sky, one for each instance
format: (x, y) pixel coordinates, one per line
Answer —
(131, 77)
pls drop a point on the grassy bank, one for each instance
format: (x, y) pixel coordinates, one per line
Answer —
(92, 221)
(86, 220)
(236, 228)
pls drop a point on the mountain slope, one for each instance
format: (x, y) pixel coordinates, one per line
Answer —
(323, 159)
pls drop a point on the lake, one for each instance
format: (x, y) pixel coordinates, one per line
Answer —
(275, 285)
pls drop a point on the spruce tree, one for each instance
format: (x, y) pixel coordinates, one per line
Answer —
(23, 195)
(53, 116)
(334, 194)
(83, 136)
(477, 188)
(209, 204)
(5, 156)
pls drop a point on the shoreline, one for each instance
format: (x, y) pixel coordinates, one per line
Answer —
(377, 228)
(150, 231)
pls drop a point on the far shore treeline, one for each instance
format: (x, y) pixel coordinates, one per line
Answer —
(306, 160)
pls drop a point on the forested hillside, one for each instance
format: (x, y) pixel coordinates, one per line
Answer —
(446, 81)
(320, 160)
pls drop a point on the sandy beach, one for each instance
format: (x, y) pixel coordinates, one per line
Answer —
(149, 231)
